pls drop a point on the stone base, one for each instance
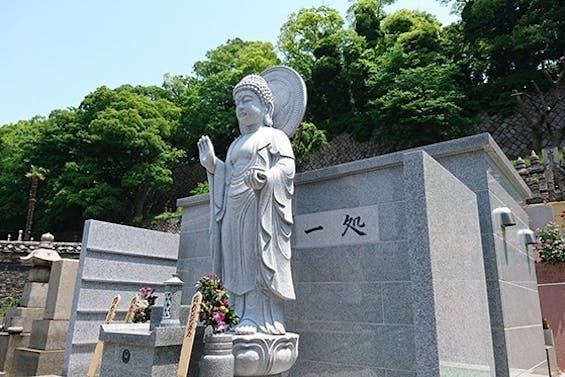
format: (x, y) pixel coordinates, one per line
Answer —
(33, 362)
(263, 354)
(134, 350)
(49, 335)
(22, 317)
(218, 360)
(8, 345)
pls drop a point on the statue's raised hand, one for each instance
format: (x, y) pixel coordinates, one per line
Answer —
(207, 154)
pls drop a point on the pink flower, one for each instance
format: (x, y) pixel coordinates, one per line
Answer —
(146, 291)
(220, 319)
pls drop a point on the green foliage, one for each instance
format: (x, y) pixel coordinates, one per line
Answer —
(365, 17)
(307, 140)
(305, 32)
(207, 103)
(215, 310)
(8, 303)
(550, 244)
(167, 215)
(316, 43)
(423, 106)
(508, 43)
(104, 158)
(201, 188)
(414, 90)
(17, 142)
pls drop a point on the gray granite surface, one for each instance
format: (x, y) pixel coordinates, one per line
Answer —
(115, 259)
(393, 306)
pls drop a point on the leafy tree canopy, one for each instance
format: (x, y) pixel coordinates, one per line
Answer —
(104, 158)
(207, 103)
(506, 44)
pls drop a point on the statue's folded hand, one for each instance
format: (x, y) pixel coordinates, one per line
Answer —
(255, 178)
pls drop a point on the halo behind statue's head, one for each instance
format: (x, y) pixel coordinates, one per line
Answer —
(289, 96)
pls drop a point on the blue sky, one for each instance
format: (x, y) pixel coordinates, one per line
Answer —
(53, 53)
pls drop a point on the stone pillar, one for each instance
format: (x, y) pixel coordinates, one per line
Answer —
(19, 320)
(171, 306)
(44, 356)
(218, 360)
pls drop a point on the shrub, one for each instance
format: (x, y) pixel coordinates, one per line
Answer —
(550, 244)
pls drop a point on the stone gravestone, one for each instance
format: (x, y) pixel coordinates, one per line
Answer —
(146, 349)
(115, 259)
(19, 320)
(402, 267)
(44, 356)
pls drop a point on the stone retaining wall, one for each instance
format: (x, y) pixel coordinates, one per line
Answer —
(13, 273)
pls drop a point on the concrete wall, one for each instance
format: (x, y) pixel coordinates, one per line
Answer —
(551, 279)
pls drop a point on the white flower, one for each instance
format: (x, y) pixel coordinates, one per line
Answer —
(143, 304)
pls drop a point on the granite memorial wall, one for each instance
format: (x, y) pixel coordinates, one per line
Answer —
(401, 268)
(115, 259)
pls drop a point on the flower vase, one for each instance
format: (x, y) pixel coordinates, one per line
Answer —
(217, 360)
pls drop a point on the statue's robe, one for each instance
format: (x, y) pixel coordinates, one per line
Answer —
(251, 229)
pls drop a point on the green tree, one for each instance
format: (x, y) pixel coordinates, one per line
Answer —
(307, 140)
(415, 91)
(105, 158)
(128, 146)
(424, 106)
(304, 32)
(17, 142)
(316, 43)
(365, 17)
(207, 103)
(35, 174)
(507, 44)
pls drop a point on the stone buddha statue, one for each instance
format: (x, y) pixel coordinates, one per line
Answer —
(251, 202)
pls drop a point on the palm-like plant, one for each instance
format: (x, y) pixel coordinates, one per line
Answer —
(36, 174)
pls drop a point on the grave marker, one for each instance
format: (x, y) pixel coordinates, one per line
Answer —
(189, 332)
(97, 356)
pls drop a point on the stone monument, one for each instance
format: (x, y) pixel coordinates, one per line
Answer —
(403, 267)
(146, 349)
(44, 356)
(19, 320)
(251, 204)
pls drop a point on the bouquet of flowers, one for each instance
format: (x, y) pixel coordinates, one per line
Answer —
(145, 301)
(215, 310)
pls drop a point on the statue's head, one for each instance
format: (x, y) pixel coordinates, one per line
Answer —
(260, 88)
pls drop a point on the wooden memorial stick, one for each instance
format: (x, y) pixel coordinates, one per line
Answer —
(186, 350)
(131, 309)
(97, 356)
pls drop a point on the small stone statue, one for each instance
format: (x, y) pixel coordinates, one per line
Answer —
(251, 199)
